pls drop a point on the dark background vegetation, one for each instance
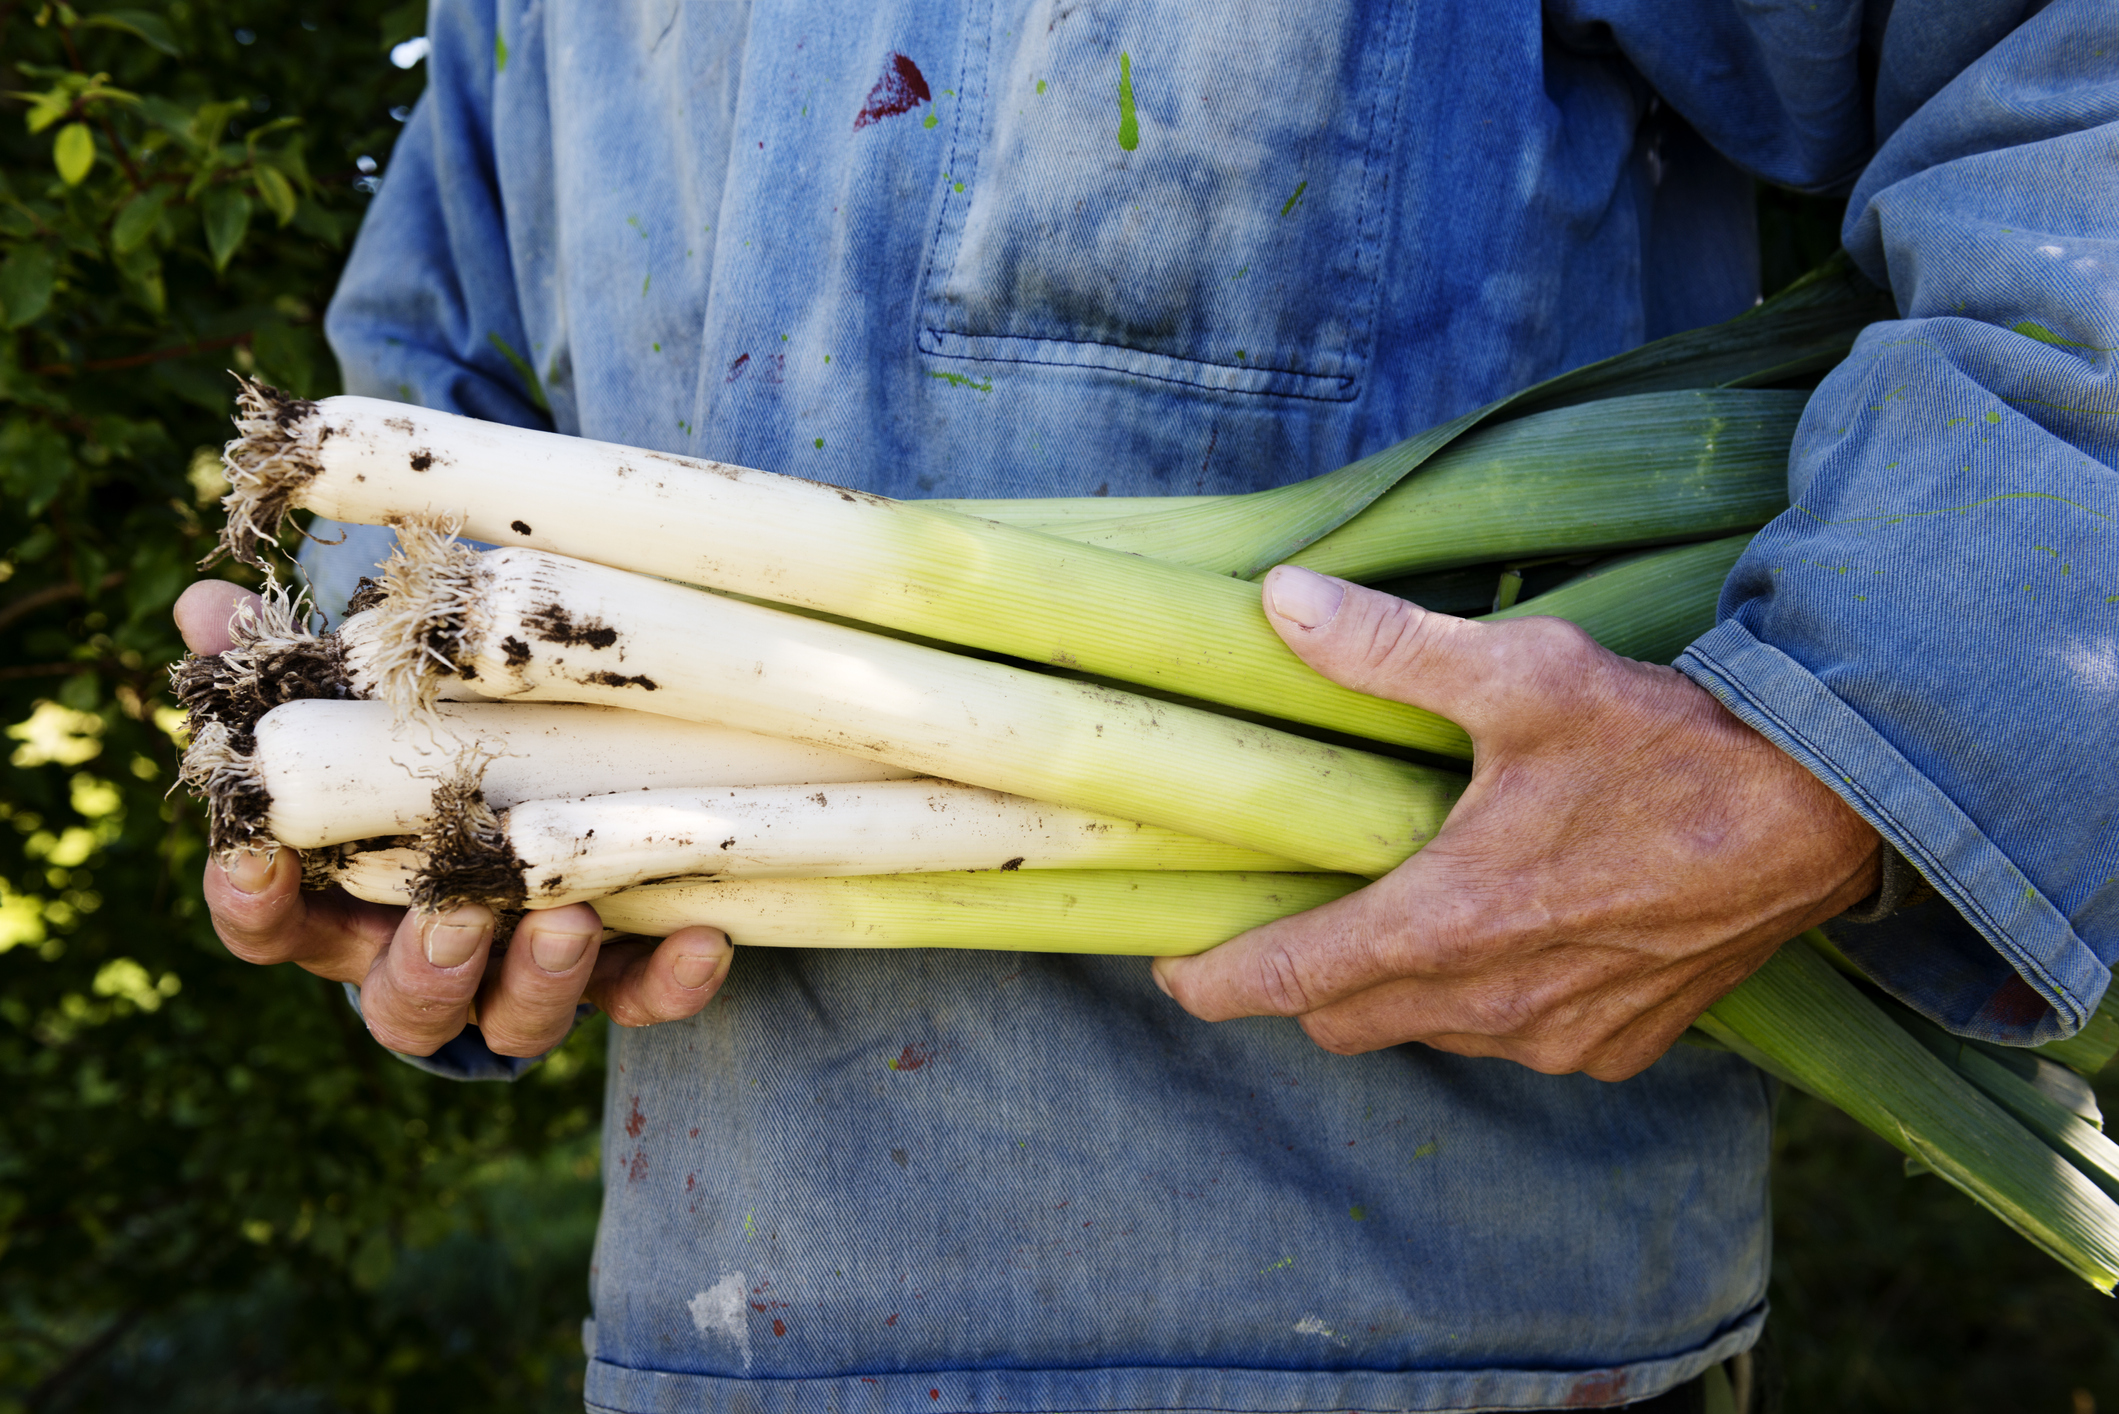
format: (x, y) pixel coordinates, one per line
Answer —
(215, 1193)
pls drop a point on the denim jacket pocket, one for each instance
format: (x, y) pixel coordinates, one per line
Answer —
(1183, 193)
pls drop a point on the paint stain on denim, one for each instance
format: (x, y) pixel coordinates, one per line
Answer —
(901, 89)
(911, 1058)
(636, 1121)
(1128, 121)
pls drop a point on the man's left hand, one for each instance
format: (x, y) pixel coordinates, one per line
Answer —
(1627, 852)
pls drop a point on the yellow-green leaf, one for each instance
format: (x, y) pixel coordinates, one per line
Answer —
(275, 191)
(74, 153)
(48, 108)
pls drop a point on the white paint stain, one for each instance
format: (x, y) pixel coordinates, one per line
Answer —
(719, 1310)
(1314, 1325)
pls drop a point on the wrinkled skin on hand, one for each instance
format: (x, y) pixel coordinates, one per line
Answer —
(422, 978)
(1627, 852)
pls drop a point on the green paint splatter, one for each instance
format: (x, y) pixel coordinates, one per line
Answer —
(820, 444)
(1993, 417)
(500, 50)
(1357, 1212)
(1300, 187)
(1239, 355)
(1281, 1265)
(931, 119)
(522, 366)
(1426, 1149)
(2044, 335)
(1040, 85)
(658, 348)
(643, 283)
(2063, 407)
(958, 380)
(1128, 123)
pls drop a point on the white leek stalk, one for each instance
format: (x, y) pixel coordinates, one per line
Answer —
(545, 853)
(530, 626)
(325, 772)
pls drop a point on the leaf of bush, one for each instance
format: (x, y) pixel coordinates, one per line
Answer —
(74, 153)
(276, 191)
(136, 221)
(227, 215)
(25, 284)
(141, 23)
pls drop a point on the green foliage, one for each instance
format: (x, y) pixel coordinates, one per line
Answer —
(215, 1191)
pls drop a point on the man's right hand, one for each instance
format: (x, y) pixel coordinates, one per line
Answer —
(422, 977)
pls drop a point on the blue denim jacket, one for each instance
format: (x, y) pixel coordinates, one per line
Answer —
(1049, 247)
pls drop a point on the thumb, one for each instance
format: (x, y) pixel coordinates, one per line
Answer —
(1373, 643)
(203, 612)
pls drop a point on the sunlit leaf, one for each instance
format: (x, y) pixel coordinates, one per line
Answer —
(226, 211)
(48, 108)
(74, 153)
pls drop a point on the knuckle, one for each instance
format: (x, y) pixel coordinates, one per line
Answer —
(251, 945)
(412, 1040)
(510, 1038)
(1335, 1036)
(1277, 980)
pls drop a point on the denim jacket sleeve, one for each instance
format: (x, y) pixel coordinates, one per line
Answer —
(427, 310)
(1933, 628)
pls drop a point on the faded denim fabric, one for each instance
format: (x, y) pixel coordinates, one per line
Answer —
(1048, 247)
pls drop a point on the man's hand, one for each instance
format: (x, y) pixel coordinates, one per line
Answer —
(1626, 853)
(422, 978)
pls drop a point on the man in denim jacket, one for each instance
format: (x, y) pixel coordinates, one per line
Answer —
(1064, 247)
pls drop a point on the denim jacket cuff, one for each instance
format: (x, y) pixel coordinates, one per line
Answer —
(2041, 981)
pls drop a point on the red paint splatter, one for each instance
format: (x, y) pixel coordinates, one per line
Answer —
(779, 1327)
(934, 1394)
(637, 1169)
(912, 1058)
(695, 1134)
(691, 1181)
(738, 368)
(636, 1121)
(1598, 1390)
(893, 1319)
(2015, 1003)
(901, 89)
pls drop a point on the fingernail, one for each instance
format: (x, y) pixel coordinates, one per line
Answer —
(1303, 595)
(693, 971)
(559, 952)
(249, 870)
(450, 938)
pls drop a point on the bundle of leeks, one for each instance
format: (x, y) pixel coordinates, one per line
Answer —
(1048, 725)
